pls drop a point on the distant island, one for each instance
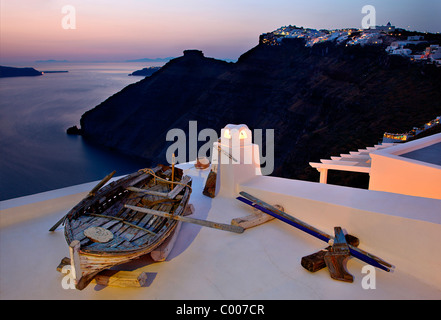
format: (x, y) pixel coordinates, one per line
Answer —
(18, 72)
(145, 71)
(55, 71)
(151, 60)
(51, 61)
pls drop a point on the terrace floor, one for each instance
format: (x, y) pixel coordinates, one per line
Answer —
(261, 263)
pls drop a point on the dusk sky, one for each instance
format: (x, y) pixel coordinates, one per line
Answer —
(119, 30)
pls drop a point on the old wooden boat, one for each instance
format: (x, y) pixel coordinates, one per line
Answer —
(102, 231)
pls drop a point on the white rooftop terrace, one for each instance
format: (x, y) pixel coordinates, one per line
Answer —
(261, 263)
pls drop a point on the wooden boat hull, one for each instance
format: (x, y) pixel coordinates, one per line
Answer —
(133, 233)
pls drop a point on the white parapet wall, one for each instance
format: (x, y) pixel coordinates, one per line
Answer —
(391, 171)
(403, 230)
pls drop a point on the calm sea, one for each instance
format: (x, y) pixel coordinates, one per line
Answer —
(36, 154)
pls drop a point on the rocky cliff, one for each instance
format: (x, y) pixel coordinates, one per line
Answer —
(321, 101)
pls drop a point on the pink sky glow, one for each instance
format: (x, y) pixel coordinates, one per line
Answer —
(119, 30)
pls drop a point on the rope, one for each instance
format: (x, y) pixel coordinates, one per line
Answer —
(150, 171)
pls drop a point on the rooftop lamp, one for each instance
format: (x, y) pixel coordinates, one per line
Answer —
(237, 158)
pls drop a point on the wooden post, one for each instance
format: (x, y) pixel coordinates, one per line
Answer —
(75, 263)
(173, 170)
(323, 175)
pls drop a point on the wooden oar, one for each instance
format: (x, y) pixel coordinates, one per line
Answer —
(90, 194)
(204, 223)
(101, 184)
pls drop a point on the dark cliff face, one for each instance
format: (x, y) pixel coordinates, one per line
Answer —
(136, 120)
(321, 101)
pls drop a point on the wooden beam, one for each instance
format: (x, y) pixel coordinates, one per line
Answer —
(114, 278)
(323, 175)
(255, 219)
(117, 278)
(204, 223)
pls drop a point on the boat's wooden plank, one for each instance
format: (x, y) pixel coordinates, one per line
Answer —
(78, 232)
(96, 223)
(109, 224)
(178, 188)
(90, 195)
(130, 233)
(148, 192)
(160, 221)
(163, 250)
(145, 220)
(150, 219)
(85, 241)
(116, 209)
(122, 220)
(136, 235)
(116, 223)
(152, 225)
(138, 219)
(119, 228)
(115, 242)
(77, 223)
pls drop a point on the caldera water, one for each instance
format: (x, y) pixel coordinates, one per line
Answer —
(36, 154)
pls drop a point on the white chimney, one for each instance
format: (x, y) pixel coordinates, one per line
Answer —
(237, 159)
